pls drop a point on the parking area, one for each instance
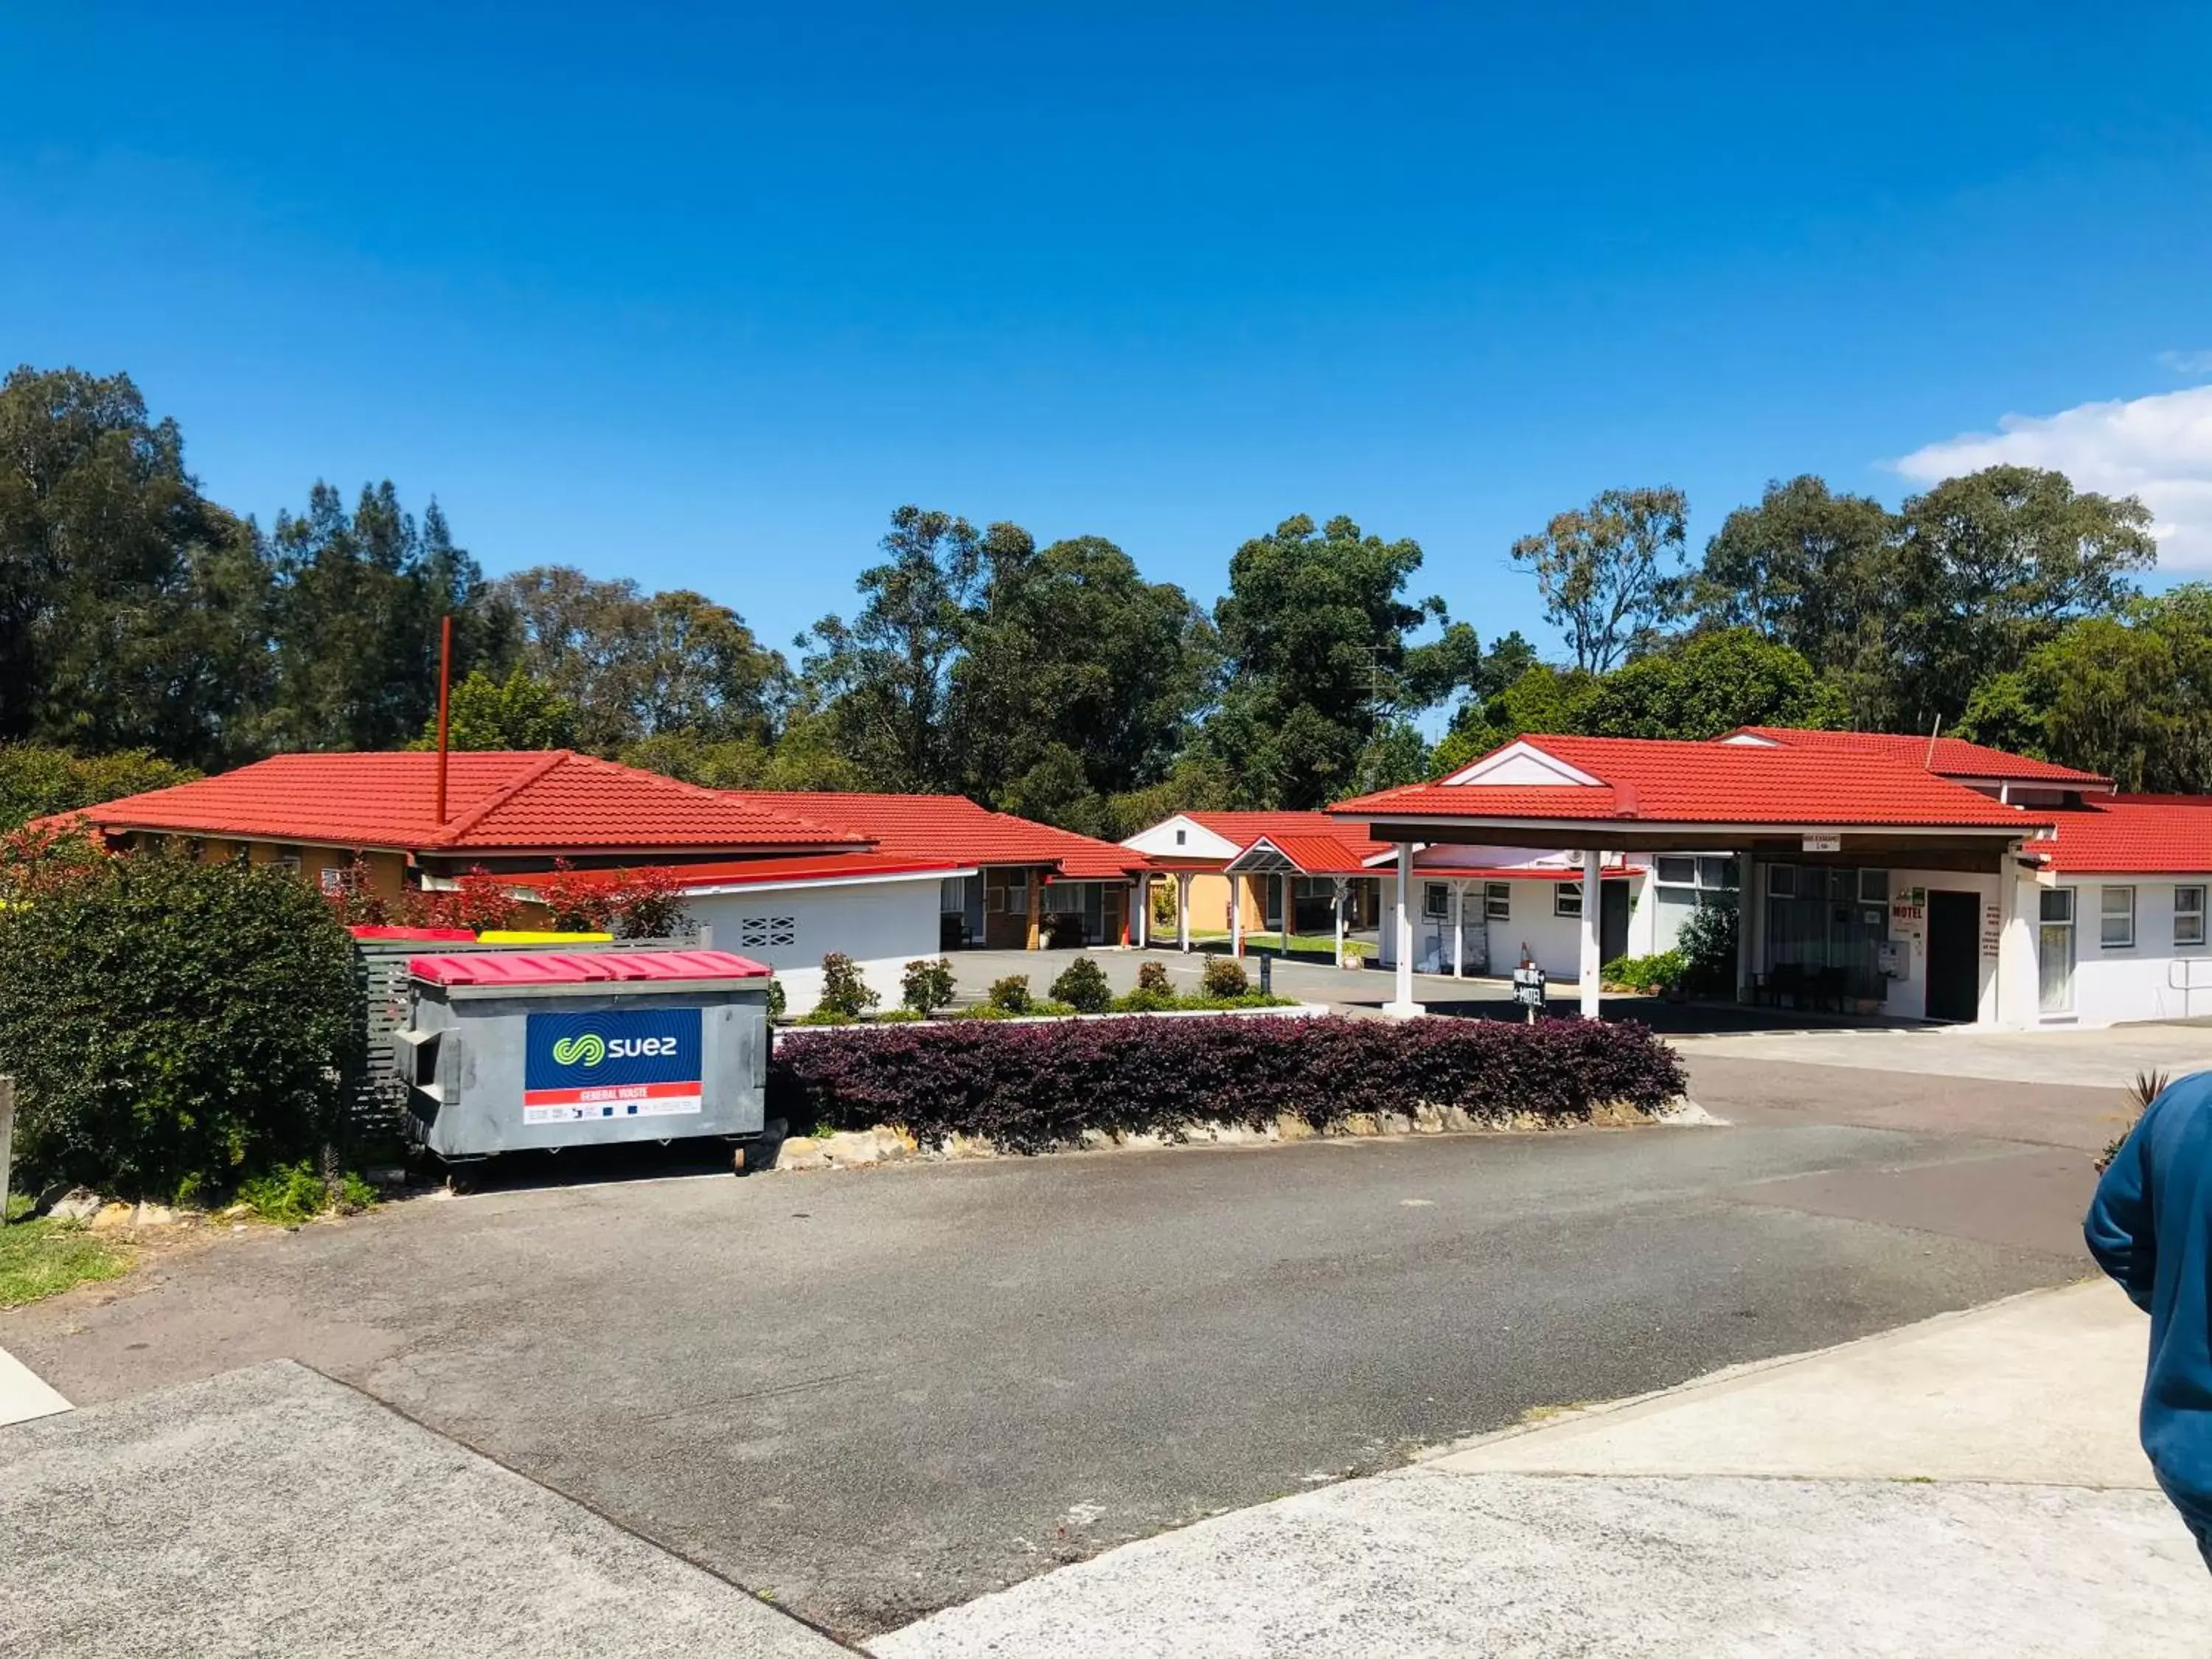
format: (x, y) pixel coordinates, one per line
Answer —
(872, 1394)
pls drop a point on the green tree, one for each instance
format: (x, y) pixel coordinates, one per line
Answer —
(1709, 684)
(884, 679)
(515, 712)
(1313, 634)
(359, 600)
(131, 608)
(1818, 573)
(635, 666)
(1995, 564)
(2127, 696)
(36, 779)
(1543, 699)
(1609, 572)
(1077, 679)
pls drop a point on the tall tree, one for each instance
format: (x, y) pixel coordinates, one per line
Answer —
(515, 712)
(1610, 572)
(360, 596)
(1077, 679)
(634, 665)
(1709, 684)
(1994, 564)
(886, 676)
(1818, 573)
(130, 606)
(1313, 632)
(2127, 696)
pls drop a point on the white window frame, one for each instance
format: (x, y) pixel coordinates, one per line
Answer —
(2061, 898)
(1498, 901)
(1567, 899)
(1677, 877)
(2188, 920)
(2107, 939)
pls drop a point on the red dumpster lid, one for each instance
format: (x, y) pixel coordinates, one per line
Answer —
(428, 935)
(522, 970)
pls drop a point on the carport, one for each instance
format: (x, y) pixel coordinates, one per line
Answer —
(1287, 859)
(1936, 845)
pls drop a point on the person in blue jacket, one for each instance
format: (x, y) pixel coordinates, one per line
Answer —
(2149, 1227)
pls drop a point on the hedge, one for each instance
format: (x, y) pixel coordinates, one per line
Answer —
(1029, 1088)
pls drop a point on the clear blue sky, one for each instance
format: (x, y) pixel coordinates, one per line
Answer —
(697, 297)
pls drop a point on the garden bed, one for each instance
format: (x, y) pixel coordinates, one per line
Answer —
(1028, 1086)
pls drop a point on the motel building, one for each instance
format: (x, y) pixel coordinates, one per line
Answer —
(784, 878)
(1476, 909)
(1887, 876)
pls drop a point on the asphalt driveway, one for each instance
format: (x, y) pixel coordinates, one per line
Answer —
(872, 1393)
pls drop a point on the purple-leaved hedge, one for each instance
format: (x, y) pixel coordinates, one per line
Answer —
(1031, 1087)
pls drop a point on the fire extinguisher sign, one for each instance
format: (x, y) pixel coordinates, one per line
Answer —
(644, 1063)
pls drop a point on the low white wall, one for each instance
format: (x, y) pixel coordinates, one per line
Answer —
(883, 925)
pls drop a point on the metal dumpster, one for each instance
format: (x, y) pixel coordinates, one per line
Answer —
(503, 1050)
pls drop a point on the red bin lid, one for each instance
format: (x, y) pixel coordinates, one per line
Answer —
(522, 970)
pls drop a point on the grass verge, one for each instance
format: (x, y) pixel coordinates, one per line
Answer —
(42, 1258)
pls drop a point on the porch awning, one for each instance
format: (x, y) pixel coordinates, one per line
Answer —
(1295, 855)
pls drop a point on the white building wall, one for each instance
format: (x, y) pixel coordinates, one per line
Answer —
(1907, 997)
(881, 924)
(2115, 983)
(1554, 941)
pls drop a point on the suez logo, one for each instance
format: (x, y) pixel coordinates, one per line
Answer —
(589, 1049)
(613, 1063)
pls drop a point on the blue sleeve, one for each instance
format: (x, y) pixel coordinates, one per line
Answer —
(2118, 1229)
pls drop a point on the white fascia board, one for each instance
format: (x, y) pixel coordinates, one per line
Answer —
(1388, 859)
(1523, 764)
(711, 888)
(1198, 842)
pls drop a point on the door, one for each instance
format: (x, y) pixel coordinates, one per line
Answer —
(1613, 920)
(1954, 962)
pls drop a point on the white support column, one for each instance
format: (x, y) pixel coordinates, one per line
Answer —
(1593, 910)
(1402, 1006)
(2019, 986)
(1747, 930)
(1283, 938)
(1182, 911)
(1143, 912)
(1235, 916)
(1342, 889)
(1458, 927)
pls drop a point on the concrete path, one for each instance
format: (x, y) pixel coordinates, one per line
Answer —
(22, 1395)
(1964, 1486)
(2108, 1057)
(273, 1512)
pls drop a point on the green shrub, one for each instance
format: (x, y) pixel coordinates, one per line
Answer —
(1223, 977)
(825, 1015)
(36, 780)
(1707, 945)
(170, 1022)
(288, 1195)
(928, 985)
(1083, 987)
(898, 1017)
(1153, 977)
(1645, 975)
(778, 1003)
(1145, 1000)
(1011, 995)
(844, 993)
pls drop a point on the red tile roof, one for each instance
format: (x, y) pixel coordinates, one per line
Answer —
(1661, 782)
(496, 801)
(952, 827)
(860, 864)
(1954, 757)
(1245, 827)
(2132, 835)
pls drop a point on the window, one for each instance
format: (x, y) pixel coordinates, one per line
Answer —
(288, 858)
(1498, 901)
(2189, 915)
(2115, 918)
(2054, 949)
(1676, 871)
(332, 878)
(1018, 891)
(1781, 881)
(952, 896)
(1436, 900)
(1567, 899)
(1874, 887)
(1183, 837)
(1063, 898)
(766, 933)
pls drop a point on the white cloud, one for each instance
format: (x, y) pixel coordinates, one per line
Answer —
(2159, 448)
(2186, 362)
